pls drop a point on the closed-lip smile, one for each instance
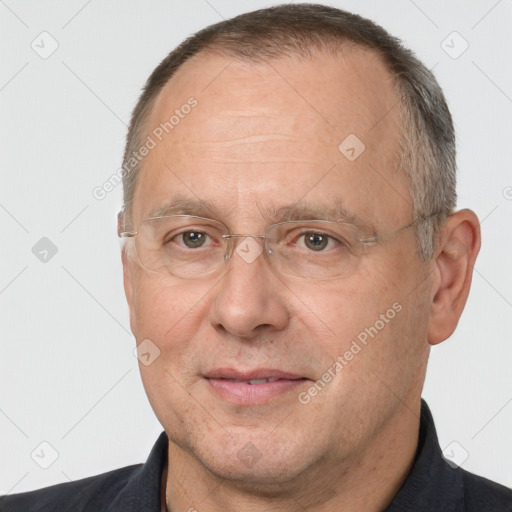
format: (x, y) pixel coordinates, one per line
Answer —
(253, 387)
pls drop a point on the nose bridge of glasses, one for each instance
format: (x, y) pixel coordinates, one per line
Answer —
(231, 238)
(243, 235)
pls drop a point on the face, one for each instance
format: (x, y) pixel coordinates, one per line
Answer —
(346, 351)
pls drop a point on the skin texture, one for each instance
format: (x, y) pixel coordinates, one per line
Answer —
(264, 136)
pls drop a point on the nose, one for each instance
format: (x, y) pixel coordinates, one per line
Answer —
(250, 298)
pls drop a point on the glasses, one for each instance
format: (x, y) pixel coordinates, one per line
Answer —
(190, 247)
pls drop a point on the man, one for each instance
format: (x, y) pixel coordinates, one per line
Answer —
(292, 252)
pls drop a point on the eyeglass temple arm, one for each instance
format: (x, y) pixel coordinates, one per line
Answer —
(376, 239)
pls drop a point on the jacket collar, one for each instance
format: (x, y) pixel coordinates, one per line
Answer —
(432, 483)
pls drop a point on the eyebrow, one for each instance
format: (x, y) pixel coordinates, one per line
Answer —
(181, 205)
(334, 211)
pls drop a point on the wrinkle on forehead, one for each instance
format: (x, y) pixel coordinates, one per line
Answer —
(336, 90)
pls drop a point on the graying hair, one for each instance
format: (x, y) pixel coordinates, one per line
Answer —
(427, 141)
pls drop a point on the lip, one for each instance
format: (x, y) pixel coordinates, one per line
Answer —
(232, 385)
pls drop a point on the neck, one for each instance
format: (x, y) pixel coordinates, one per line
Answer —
(368, 481)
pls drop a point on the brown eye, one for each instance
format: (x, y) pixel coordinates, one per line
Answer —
(316, 241)
(193, 239)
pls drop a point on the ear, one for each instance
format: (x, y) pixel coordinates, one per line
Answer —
(455, 256)
(128, 280)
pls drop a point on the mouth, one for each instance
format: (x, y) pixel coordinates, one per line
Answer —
(256, 387)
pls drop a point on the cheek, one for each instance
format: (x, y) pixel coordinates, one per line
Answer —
(395, 328)
(168, 314)
(340, 311)
(374, 319)
(162, 307)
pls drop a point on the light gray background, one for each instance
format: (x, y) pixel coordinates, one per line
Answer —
(68, 375)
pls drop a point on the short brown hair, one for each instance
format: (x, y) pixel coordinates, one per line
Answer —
(427, 143)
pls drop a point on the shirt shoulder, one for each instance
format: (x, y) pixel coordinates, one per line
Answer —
(481, 494)
(436, 484)
(93, 493)
(129, 489)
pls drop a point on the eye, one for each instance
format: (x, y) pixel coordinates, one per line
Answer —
(192, 239)
(316, 241)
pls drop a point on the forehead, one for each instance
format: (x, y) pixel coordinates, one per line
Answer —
(269, 131)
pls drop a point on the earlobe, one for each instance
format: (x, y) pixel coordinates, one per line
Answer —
(456, 253)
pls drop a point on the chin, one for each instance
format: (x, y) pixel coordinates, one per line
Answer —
(270, 479)
(257, 466)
